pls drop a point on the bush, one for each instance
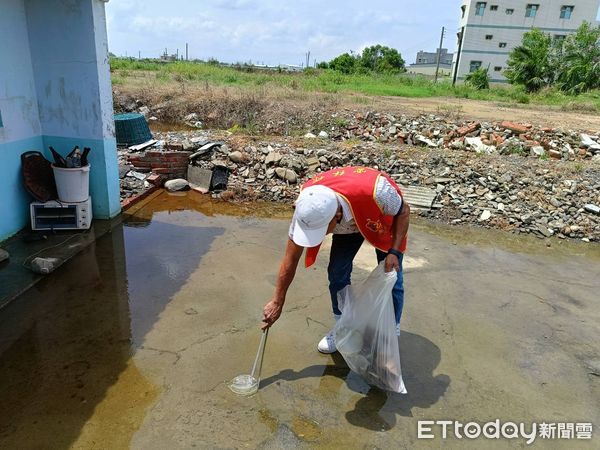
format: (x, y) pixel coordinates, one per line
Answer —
(531, 63)
(479, 79)
(377, 59)
(580, 64)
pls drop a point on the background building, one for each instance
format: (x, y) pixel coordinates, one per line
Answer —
(55, 90)
(489, 30)
(426, 63)
(431, 57)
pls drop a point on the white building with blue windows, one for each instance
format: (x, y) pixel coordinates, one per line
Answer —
(489, 30)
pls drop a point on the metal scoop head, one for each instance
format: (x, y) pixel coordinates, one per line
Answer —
(244, 385)
(248, 384)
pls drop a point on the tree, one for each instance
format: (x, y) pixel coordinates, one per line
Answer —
(344, 63)
(323, 65)
(531, 63)
(580, 63)
(379, 58)
(479, 79)
(376, 58)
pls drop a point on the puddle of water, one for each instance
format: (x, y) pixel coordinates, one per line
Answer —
(66, 344)
(77, 367)
(120, 412)
(65, 357)
(492, 238)
(266, 417)
(306, 429)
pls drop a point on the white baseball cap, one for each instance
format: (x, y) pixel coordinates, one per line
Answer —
(315, 207)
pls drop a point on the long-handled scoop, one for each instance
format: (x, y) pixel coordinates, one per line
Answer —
(248, 384)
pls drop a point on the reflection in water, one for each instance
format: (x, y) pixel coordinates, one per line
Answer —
(66, 344)
(160, 258)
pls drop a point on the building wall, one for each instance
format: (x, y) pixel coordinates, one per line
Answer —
(429, 69)
(431, 57)
(55, 90)
(20, 128)
(509, 29)
(69, 50)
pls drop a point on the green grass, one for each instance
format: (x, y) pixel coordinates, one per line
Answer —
(313, 80)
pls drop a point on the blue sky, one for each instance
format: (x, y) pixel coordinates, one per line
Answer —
(277, 32)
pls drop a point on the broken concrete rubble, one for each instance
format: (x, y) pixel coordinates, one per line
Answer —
(199, 178)
(520, 193)
(178, 184)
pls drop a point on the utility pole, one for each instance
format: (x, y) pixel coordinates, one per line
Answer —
(460, 35)
(439, 53)
(177, 54)
(186, 51)
(139, 54)
(308, 59)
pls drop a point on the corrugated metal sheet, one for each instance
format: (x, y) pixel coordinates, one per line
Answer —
(419, 196)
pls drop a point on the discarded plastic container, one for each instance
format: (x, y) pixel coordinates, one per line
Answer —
(72, 185)
(131, 129)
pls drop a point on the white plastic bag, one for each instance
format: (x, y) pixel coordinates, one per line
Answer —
(365, 335)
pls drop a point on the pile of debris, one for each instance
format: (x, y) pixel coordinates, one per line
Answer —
(428, 130)
(524, 195)
(435, 132)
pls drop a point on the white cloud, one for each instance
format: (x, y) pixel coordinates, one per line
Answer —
(275, 31)
(232, 4)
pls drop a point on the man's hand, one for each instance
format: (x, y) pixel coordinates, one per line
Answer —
(392, 263)
(271, 313)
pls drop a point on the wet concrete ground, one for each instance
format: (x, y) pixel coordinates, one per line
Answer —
(131, 344)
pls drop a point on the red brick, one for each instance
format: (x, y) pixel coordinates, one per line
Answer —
(128, 202)
(462, 131)
(155, 179)
(165, 170)
(515, 127)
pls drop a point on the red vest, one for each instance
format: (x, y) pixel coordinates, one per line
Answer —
(357, 186)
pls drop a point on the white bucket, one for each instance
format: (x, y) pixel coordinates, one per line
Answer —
(73, 185)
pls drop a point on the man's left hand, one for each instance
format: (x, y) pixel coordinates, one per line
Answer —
(392, 263)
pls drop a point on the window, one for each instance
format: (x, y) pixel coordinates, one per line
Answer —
(509, 11)
(463, 8)
(502, 44)
(497, 68)
(474, 66)
(480, 8)
(489, 37)
(531, 10)
(566, 11)
(559, 37)
(493, 7)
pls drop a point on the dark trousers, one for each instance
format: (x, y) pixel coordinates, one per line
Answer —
(343, 250)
